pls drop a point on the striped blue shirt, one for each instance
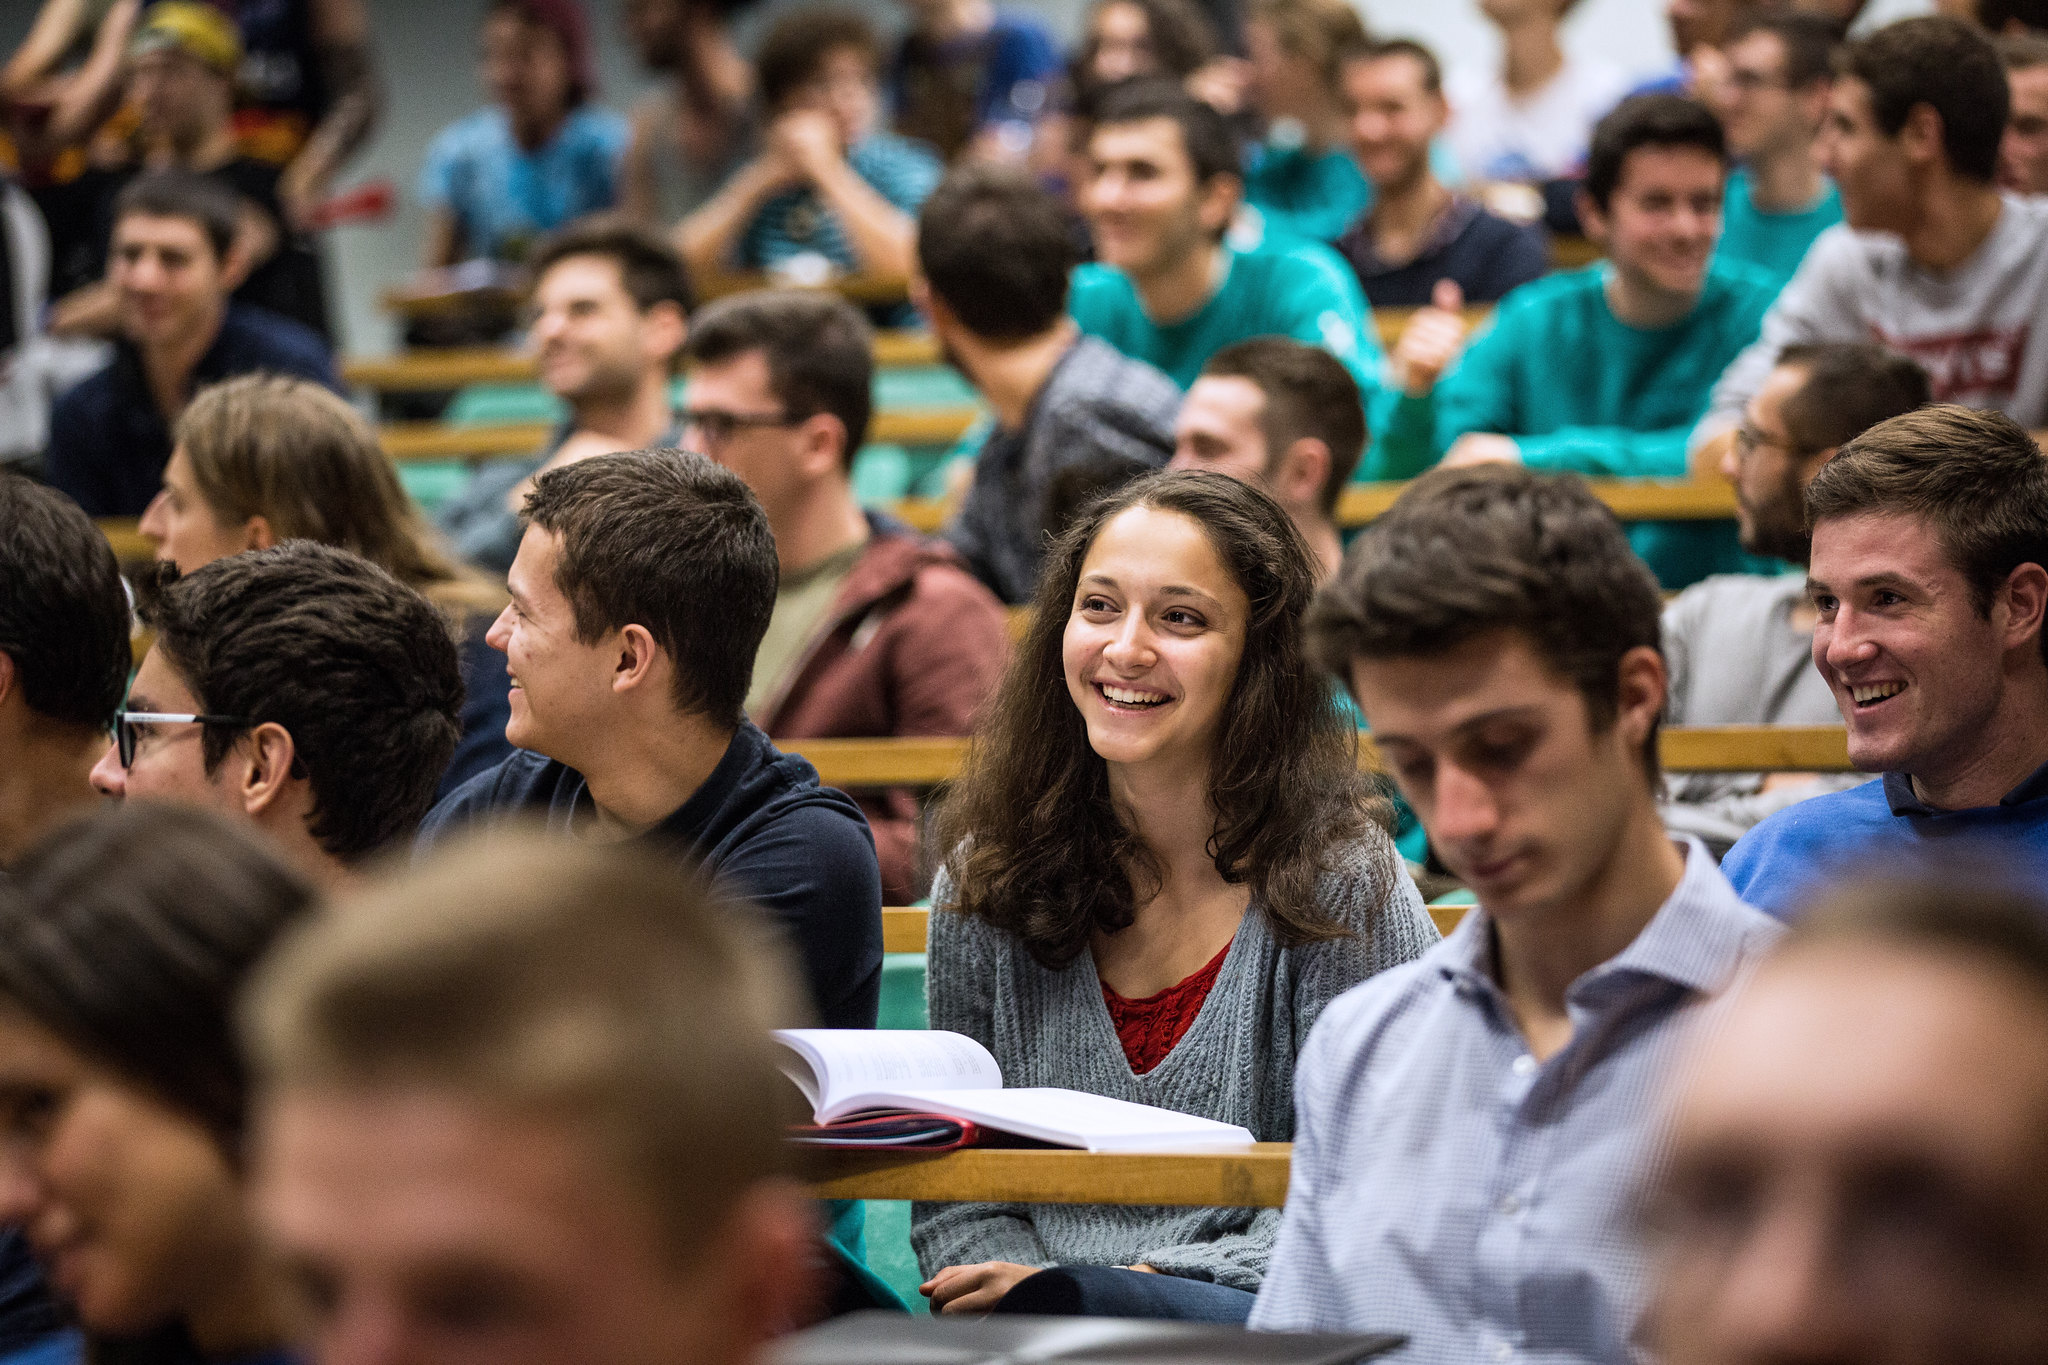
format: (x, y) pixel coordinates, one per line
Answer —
(797, 221)
(1449, 1186)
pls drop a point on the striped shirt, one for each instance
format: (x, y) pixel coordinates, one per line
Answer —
(1449, 1186)
(797, 221)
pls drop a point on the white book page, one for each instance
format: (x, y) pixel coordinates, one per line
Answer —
(836, 1067)
(1075, 1118)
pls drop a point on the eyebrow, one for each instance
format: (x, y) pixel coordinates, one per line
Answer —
(1887, 579)
(1170, 590)
(1531, 711)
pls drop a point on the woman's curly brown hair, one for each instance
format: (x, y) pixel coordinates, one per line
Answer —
(1037, 845)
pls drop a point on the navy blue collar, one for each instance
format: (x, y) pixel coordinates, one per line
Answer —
(1900, 796)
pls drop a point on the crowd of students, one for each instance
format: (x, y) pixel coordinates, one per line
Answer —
(394, 906)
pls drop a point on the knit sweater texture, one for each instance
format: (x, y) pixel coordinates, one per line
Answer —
(1234, 1064)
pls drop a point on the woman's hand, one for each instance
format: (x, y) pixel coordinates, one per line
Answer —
(973, 1288)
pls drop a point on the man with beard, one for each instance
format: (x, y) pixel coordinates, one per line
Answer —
(1740, 646)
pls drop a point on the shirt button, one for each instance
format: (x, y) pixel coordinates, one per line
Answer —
(1510, 1206)
(1524, 1065)
(1503, 1351)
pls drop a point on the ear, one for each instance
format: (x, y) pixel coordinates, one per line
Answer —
(1591, 218)
(1298, 476)
(2026, 599)
(821, 441)
(639, 660)
(256, 533)
(269, 753)
(664, 329)
(1639, 698)
(1218, 202)
(1920, 138)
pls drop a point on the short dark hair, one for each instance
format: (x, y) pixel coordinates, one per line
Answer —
(674, 543)
(1809, 41)
(1976, 477)
(63, 611)
(995, 246)
(361, 670)
(1309, 394)
(1495, 547)
(2022, 51)
(199, 199)
(1998, 15)
(1648, 121)
(1949, 66)
(794, 51)
(820, 352)
(649, 267)
(1850, 387)
(128, 935)
(1432, 69)
(1183, 38)
(1205, 134)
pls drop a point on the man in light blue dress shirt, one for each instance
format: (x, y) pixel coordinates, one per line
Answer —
(1471, 1127)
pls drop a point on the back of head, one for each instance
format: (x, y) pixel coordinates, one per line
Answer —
(1309, 395)
(674, 543)
(996, 249)
(1472, 551)
(129, 935)
(63, 610)
(1317, 31)
(1975, 477)
(198, 199)
(1946, 64)
(794, 51)
(1648, 121)
(1809, 41)
(602, 987)
(1205, 134)
(1850, 387)
(819, 349)
(359, 669)
(649, 267)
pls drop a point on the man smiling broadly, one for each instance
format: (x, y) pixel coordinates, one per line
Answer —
(1930, 574)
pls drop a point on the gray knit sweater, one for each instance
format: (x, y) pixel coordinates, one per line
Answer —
(1235, 1064)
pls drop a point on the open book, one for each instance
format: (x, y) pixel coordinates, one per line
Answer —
(848, 1072)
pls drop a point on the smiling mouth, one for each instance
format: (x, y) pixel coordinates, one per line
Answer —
(1131, 698)
(1871, 695)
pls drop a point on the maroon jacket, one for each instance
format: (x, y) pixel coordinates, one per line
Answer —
(912, 645)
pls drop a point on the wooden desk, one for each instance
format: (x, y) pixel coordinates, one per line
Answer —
(411, 441)
(128, 541)
(1245, 1177)
(908, 931)
(1629, 499)
(456, 367)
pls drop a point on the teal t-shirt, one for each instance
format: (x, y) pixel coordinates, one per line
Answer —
(1307, 195)
(1774, 242)
(1581, 390)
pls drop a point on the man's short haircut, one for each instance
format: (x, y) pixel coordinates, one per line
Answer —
(63, 611)
(1809, 41)
(198, 199)
(361, 670)
(1850, 387)
(1319, 31)
(1432, 71)
(1949, 66)
(794, 52)
(1205, 134)
(2023, 51)
(1309, 394)
(605, 988)
(676, 544)
(1465, 552)
(1976, 477)
(649, 267)
(1648, 121)
(997, 250)
(820, 352)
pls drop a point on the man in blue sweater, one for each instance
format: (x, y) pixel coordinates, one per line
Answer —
(1930, 573)
(642, 588)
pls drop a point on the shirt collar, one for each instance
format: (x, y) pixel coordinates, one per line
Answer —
(1900, 796)
(1455, 217)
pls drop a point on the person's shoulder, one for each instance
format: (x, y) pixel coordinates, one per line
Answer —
(275, 334)
(1356, 1020)
(1292, 261)
(883, 150)
(1095, 283)
(1491, 229)
(1832, 821)
(1542, 301)
(785, 789)
(522, 779)
(88, 396)
(2028, 212)
(474, 132)
(1024, 31)
(1359, 877)
(1741, 285)
(596, 125)
(1095, 371)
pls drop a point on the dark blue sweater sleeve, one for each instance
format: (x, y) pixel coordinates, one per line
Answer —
(812, 870)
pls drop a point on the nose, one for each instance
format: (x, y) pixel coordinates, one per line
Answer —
(1130, 648)
(546, 327)
(108, 777)
(499, 636)
(1731, 458)
(1462, 805)
(1781, 1299)
(152, 524)
(1842, 642)
(365, 1334)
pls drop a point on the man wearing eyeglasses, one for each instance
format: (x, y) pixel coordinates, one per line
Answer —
(1740, 646)
(1772, 104)
(300, 688)
(877, 631)
(609, 314)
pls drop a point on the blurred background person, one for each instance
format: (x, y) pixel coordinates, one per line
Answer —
(1301, 179)
(697, 126)
(2023, 154)
(1771, 104)
(972, 77)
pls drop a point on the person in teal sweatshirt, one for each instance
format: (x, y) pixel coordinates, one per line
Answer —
(1165, 288)
(1775, 97)
(1604, 371)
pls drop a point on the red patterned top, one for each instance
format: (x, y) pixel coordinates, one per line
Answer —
(1149, 1028)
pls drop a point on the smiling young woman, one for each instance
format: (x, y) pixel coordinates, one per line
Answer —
(1163, 864)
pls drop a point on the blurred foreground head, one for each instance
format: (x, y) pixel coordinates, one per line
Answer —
(520, 1104)
(1860, 1153)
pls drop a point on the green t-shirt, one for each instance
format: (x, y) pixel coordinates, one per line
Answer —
(1581, 390)
(1774, 242)
(801, 601)
(1313, 196)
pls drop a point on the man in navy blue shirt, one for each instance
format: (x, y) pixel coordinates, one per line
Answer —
(642, 588)
(110, 437)
(1930, 574)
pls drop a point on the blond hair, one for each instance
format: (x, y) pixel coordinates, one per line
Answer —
(291, 452)
(604, 986)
